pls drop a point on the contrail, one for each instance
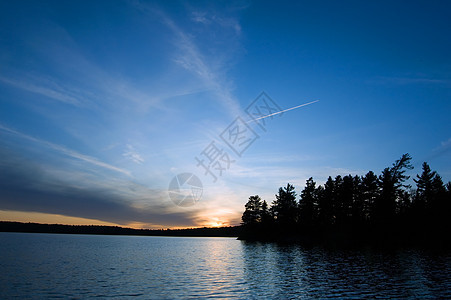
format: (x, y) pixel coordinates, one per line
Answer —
(282, 111)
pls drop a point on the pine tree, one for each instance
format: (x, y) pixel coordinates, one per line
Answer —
(358, 215)
(266, 216)
(325, 204)
(338, 203)
(424, 194)
(370, 192)
(308, 203)
(285, 207)
(253, 211)
(391, 185)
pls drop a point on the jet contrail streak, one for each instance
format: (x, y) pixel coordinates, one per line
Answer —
(282, 111)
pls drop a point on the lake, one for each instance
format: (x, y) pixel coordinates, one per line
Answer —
(86, 266)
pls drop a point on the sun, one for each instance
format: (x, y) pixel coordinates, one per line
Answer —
(216, 222)
(218, 217)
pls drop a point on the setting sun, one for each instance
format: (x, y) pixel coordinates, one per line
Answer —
(217, 218)
(216, 222)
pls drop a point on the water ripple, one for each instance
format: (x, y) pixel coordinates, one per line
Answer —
(77, 266)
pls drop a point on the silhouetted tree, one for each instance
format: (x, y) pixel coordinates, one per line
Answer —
(266, 216)
(338, 204)
(253, 211)
(430, 209)
(448, 187)
(325, 203)
(308, 203)
(319, 192)
(430, 197)
(438, 188)
(345, 198)
(424, 193)
(358, 215)
(391, 184)
(285, 207)
(369, 192)
(405, 204)
(447, 200)
(438, 203)
(385, 204)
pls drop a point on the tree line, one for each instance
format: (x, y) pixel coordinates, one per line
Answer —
(369, 208)
(5, 226)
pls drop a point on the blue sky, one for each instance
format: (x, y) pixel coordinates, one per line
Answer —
(103, 103)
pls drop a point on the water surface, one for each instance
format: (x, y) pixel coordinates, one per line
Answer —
(85, 266)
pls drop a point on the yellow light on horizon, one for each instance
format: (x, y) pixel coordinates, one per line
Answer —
(216, 218)
(216, 222)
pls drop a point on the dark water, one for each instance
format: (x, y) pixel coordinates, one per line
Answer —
(83, 266)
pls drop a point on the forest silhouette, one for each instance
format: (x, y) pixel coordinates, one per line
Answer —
(351, 210)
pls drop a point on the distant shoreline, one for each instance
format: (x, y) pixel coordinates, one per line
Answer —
(8, 226)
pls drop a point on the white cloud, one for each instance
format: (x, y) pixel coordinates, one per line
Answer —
(133, 155)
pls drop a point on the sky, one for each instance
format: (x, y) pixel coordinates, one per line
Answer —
(107, 107)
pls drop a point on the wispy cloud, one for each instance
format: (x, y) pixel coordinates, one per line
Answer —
(48, 89)
(191, 58)
(200, 17)
(446, 144)
(133, 155)
(66, 151)
(412, 79)
(444, 148)
(206, 18)
(85, 81)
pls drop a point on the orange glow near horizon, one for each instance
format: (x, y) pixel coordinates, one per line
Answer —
(216, 222)
(36, 217)
(218, 218)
